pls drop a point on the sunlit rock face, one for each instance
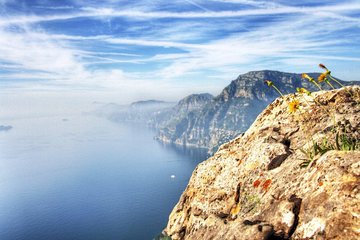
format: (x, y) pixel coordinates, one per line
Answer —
(258, 187)
(204, 121)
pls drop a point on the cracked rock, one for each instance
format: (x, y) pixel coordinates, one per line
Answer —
(266, 194)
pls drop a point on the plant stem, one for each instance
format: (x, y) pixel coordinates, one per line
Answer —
(317, 85)
(328, 82)
(334, 79)
(277, 90)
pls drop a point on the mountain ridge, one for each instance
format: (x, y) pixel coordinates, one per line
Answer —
(232, 111)
(206, 121)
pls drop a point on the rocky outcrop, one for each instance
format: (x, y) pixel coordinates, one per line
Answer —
(258, 187)
(232, 111)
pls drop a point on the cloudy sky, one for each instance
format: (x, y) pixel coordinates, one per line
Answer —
(120, 51)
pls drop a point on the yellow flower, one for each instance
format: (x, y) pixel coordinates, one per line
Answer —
(322, 77)
(305, 76)
(269, 83)
(294, 105)
(303, 90)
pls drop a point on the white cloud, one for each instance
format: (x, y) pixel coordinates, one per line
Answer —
(265, 44)
(194, 3)
(279, 9)
(151, 43)
(261, 4)
(35, 51)
(98, 12)
(297, 41)
(39, 56)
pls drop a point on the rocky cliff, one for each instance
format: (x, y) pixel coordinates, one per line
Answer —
(287, 177)
(173, 124)
(232, 111)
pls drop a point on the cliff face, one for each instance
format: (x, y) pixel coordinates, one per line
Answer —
(232, 111)
(262, 186)
(174, 124)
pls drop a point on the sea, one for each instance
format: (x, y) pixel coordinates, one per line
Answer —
(81, 177)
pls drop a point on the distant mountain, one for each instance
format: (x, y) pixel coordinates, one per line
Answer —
(204, 121)
(169, 119)
(193, 102)
(147, 103)
(140, 112)
(4, 128)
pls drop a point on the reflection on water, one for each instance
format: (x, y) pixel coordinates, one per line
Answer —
(193, 153)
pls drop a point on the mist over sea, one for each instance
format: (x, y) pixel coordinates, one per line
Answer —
(85, 178)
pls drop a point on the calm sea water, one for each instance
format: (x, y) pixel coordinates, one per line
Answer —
(85, 178)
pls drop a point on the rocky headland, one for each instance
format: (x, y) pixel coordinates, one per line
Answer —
(204, 121)
(289, 176)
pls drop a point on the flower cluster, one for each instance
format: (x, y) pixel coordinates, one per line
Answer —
(303, 90)
(311, 79)
(294, 105)
(326, 76)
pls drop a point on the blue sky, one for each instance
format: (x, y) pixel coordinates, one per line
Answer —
(129, 50)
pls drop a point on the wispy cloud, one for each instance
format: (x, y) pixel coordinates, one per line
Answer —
(153, 43)
(91, 12)
(36, 52)
(108, 47)
(198, 5)
(65, 7)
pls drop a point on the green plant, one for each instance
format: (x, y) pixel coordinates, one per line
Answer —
(271, 84)
(312, 80)
(250, 203)
(315, 150)
(342, 142)
(344, 139)
(346, 143)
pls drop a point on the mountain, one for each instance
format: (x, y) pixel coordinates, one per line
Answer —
(172, 121)
(290, 176)
(139, 112)
(217, 120)
(5, 128)
(147, 104)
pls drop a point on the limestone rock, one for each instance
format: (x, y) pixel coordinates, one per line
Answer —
(254, 187)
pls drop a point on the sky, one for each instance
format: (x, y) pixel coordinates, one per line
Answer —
(58, 53)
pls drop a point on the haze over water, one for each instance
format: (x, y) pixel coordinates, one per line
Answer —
(82, 177)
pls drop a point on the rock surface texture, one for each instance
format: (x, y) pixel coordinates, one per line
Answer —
(254, 188)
